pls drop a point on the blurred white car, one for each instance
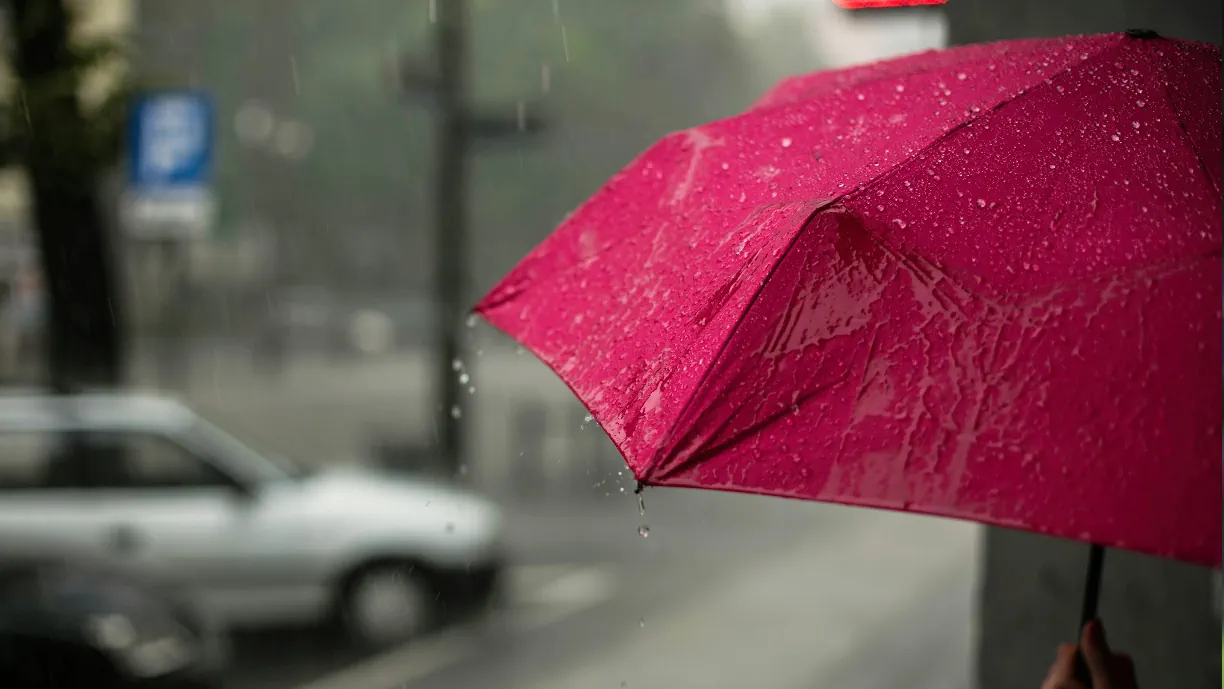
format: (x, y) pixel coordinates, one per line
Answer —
(261, 542)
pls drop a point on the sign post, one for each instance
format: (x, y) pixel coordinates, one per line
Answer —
(168, 202)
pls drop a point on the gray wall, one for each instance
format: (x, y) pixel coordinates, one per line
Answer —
(1161, 612)
(974, 21)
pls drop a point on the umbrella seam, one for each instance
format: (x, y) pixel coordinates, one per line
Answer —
(664, 449)
(648, 475)
(1181, 125)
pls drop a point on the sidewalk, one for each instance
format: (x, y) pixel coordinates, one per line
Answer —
(834, 612)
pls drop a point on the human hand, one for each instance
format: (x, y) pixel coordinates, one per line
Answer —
(1109, 670)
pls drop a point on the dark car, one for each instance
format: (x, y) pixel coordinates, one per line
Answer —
(70, 623)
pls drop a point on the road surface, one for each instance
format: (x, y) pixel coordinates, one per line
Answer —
(726, 591)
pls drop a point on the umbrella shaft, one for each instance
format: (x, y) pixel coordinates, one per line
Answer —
(1092, 593)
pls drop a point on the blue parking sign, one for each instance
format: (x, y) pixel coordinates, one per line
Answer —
(170, 142)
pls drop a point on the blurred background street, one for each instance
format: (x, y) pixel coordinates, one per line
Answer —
(365, 171)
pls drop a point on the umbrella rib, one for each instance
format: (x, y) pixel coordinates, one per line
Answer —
(1181, 125)
(738, 437)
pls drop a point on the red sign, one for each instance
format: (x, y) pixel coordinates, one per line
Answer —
(872, 4)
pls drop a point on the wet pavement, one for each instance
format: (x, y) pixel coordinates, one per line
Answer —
(727, 591)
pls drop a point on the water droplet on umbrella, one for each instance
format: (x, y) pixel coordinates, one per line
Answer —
(786, 143)
(456, 412)
(962, 76)
(1115, 137)
(726, 166)
(981, 203)
(861, 96)
(1135, 124)
(900, 88)
(1141, 103)
(644, 531)
(1083, 56)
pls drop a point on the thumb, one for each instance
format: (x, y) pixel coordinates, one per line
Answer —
(1097, 654)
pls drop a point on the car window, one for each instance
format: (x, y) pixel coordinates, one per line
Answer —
(131, 459)
(37, 459)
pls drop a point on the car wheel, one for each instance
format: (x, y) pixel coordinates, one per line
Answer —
(386, 604)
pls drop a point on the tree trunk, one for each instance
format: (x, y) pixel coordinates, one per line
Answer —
(84, 329)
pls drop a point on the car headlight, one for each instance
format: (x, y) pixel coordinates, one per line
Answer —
(148, 647)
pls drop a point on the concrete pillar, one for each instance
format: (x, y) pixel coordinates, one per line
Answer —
(1159, 611)
(1162, 612)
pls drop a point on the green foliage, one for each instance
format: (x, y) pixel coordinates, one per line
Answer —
(87, 136)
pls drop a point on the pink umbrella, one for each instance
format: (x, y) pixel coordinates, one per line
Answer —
(982, 283)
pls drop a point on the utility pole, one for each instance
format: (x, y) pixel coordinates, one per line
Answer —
(450, 230)
(459, 127)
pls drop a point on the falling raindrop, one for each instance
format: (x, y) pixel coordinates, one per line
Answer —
(786, 143)
(641, 504)
(456, 365)
(471, 321)
(641, 623)
(644, 531)
(456, 412)
(471, 389)
(464, 378)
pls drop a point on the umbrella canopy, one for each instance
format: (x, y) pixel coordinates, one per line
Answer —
(982, 283)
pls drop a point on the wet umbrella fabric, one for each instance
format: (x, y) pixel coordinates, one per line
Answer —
(982, 283)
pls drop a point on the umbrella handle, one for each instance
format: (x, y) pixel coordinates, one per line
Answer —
(1092, 594)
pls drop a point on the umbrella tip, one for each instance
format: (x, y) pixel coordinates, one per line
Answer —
(1142, 33)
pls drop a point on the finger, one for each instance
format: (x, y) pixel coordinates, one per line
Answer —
(1062, 672)
(1096, 653)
